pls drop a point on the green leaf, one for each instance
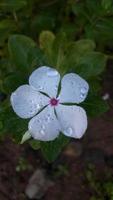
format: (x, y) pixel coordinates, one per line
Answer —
(94, 85)
(46, 40)
(91, 64)
(101, 31)
(51, 149)
(35, 144)
(6, 67)
(36, 58)
(58, 51)
(25, 137)
(12, 5)
(93, 7)
(95, 105)
(7, 26)
(82, 46)
(12, 81)
(11, 123)
(74, 51)
(19, 48)
(107, 4)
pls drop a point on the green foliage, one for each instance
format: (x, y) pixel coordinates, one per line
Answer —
(11, 124)
(95, 106)
(12, 5)
(35, 144)
(19, 49)
(91, 64)
(23, 165)
(102, 187)
(7, 26)
(71, 36)
(62, 170)
(54, 146)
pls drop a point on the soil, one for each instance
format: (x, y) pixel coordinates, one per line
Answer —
(18, 162)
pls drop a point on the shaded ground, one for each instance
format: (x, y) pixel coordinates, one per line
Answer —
(69, 172)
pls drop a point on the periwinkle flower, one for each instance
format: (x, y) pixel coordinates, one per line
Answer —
(49, 112)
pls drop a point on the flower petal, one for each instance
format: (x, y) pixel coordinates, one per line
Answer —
(45, 79)
(73, 120)
(74, 89)
(26, 101)
(44, 126)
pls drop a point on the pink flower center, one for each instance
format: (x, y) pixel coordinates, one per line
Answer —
(54, 102)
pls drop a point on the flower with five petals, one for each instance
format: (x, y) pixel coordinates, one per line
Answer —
(48, 111)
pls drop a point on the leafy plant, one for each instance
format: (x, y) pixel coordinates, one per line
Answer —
(32, 33)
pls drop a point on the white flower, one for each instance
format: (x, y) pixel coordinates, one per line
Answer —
(50, 117)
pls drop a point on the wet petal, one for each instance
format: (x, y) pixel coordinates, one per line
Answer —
(44, 126)
(45, 79)
(74, 89)
(26, 101)
(73, 120)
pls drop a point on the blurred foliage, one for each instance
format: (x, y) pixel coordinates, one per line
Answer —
(70, 35)
(23, 165)
(102, 187)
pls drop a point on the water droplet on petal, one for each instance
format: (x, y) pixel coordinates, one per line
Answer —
(68, 131)
(42, 132)
(82, 96)
(72, 83)
(43, 127)
(31, 101)
(40, 88)
(52, 72)
(38, 120)
(83, 90)
(30, 111)
(38, 106)
(14, 93)
(56, 87)
(47, 119)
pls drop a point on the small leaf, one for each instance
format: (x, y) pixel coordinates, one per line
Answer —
(51, 149)
(35, 144)
(46, 40)
(25, 137)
